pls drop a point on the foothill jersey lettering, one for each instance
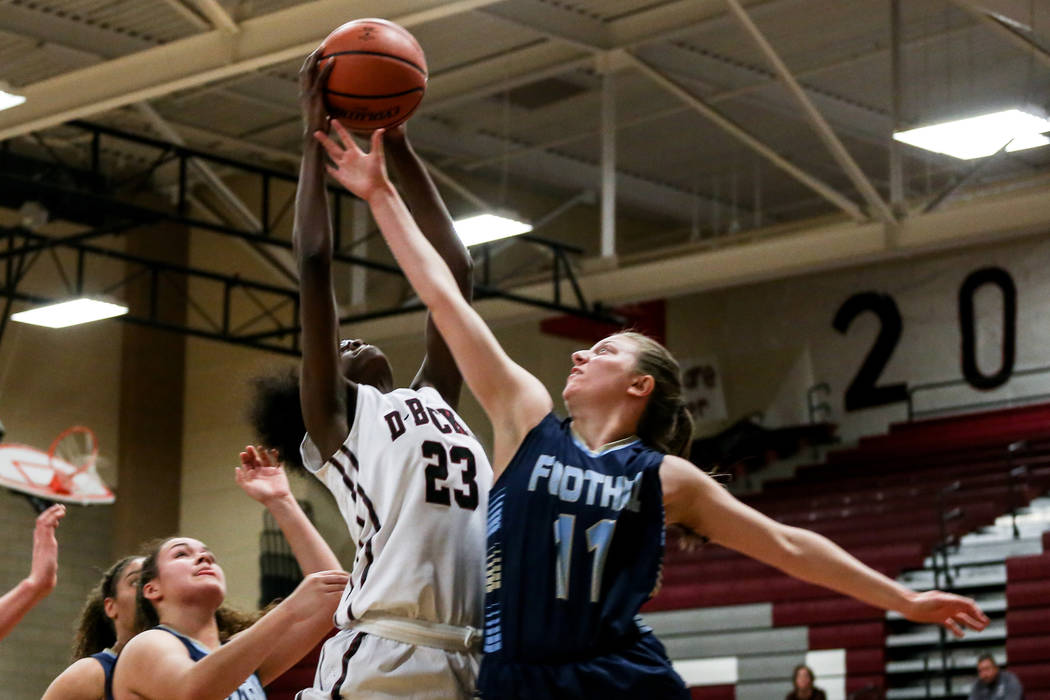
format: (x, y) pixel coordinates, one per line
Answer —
(575, 542)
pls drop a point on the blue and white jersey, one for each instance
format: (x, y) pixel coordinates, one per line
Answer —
(107, 659)
(250, 689)
(575, 544)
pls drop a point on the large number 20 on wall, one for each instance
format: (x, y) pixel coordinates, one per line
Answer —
(865, 392)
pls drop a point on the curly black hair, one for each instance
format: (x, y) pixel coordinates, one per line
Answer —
(276, 416)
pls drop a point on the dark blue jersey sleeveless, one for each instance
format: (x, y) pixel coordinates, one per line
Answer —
(250, 689)
(575, 544)
(107, 659)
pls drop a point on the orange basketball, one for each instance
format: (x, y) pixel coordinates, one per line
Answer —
(378, 77)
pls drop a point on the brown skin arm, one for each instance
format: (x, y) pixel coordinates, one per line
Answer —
(327, 398)
(439, 368)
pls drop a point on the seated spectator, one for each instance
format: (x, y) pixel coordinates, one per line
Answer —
(803, 685)
(994, 683)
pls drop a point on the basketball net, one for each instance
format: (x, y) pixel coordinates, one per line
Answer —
(75, 447)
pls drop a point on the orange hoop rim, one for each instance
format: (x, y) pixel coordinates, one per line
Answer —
(92, 440)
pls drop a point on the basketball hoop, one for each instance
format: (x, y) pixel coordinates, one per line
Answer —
(75, 447)
(66, 472)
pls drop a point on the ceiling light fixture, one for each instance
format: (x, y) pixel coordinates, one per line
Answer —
(980, 136)
(9, 100)
(488, 227)
(70, 313)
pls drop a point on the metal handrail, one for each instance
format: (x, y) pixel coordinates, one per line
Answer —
(944, 384)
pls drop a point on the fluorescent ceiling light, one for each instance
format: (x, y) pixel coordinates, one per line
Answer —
(1026, 141)
(488, 227)
(9, 100)
(981, 136)
(70, 313)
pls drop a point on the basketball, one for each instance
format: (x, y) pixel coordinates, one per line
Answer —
(378, 77)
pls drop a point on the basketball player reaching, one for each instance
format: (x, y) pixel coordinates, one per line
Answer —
(409, 478)
(107, 622)
(43, 572)
(195, 647)
(578, 510)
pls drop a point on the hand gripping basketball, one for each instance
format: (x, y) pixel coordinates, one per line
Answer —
(378, 74)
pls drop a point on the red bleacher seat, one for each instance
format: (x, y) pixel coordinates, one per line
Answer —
(1028, 568)
(866, 661)
(855, 683)
(1027, 622)
(824, 611)
(1033, 676)
(847, 636)
(1028, 649)
(1027, 594)
(713, 692)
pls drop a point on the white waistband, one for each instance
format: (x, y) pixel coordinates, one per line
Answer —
(421, 632)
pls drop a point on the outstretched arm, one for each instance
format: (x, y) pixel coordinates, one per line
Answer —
(43, 573)
(439, 367)
(326, 402)
(514, 400)
(262, 477)
(155, 664)
(697, 501)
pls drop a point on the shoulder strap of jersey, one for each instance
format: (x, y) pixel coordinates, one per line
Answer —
(195, 653)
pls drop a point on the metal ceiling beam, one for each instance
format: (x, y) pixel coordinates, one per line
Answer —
(283, 265)
(732, 128)
(189, 15)
(273, 38)
(1005, 30)
(562, 53)
(823, 129)
(67, 31)
(775, 254)
(218, 16)
(573, 28)
(561, 171)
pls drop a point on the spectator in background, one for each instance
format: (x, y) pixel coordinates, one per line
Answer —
(803, 689)
(43, 573)
(993, 683)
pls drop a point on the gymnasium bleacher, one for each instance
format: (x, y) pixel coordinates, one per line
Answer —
(736, 628)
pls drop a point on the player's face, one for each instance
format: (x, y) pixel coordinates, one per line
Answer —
(365, 364)
(122, 607)
(187, 570)
(602, 371)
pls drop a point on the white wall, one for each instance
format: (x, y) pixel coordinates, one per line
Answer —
(773, 340)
